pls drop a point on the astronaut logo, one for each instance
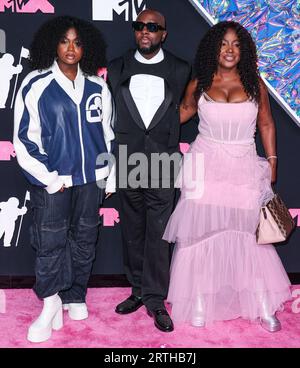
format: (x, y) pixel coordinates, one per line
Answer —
(105, 9)
(296, 303)
(2, 41)
(26, 6)
(2, 301)
(93, 108)
(110, 216)
(9, 213)
(7, 71)
(6, 151)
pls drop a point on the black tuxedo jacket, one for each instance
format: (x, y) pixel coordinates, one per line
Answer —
(162, 135)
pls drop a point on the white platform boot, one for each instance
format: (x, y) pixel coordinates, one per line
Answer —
(50, 319)
(76, 311)
(198, 319)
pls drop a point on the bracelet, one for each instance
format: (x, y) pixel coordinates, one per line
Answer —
(268, 158)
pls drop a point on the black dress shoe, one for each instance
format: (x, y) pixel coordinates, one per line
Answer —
(129, 305)
(162, 320)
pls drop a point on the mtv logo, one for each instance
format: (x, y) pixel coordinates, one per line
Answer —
(102, 72)
(110, 216)
(26, 6)
(295, 212)
(105, 9)
(184, 147)
(6, 151)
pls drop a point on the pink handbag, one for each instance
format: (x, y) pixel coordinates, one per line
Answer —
(275, 223)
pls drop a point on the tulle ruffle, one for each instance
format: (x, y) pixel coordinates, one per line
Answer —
(230, 275)
(218, 270)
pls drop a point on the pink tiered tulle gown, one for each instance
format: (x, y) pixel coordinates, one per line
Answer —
(218, 271)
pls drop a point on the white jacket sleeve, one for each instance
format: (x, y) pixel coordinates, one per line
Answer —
(107, 116)
(27, 141)
(108, 112)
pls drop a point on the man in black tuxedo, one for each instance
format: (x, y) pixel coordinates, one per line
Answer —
(147, 84)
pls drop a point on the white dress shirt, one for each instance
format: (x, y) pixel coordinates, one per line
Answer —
(148, 91)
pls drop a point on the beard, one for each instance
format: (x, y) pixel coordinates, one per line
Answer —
(148, 50)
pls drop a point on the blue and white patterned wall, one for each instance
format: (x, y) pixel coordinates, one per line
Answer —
(275, 27)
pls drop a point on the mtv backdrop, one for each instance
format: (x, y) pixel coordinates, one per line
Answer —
(19, 20)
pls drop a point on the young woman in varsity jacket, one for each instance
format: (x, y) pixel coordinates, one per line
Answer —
(63, 116)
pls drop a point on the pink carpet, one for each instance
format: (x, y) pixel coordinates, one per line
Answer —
(106, 329)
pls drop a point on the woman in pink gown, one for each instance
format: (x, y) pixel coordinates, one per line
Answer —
(218, 270)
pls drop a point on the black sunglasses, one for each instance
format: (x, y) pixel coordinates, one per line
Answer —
(151, 27)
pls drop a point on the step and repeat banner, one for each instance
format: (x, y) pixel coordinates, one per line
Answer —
(276, 29)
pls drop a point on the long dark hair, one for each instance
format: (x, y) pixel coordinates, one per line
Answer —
(44, 45)
(207, 56)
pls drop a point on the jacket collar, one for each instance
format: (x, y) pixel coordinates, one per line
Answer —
(156, 59)
(166, 74)
(129, 59)
(135, 113)
(74, 89)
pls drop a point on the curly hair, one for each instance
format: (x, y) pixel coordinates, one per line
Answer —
(207, 56)
(44, 45)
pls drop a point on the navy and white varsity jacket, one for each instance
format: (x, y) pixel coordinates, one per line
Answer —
(61, 126)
